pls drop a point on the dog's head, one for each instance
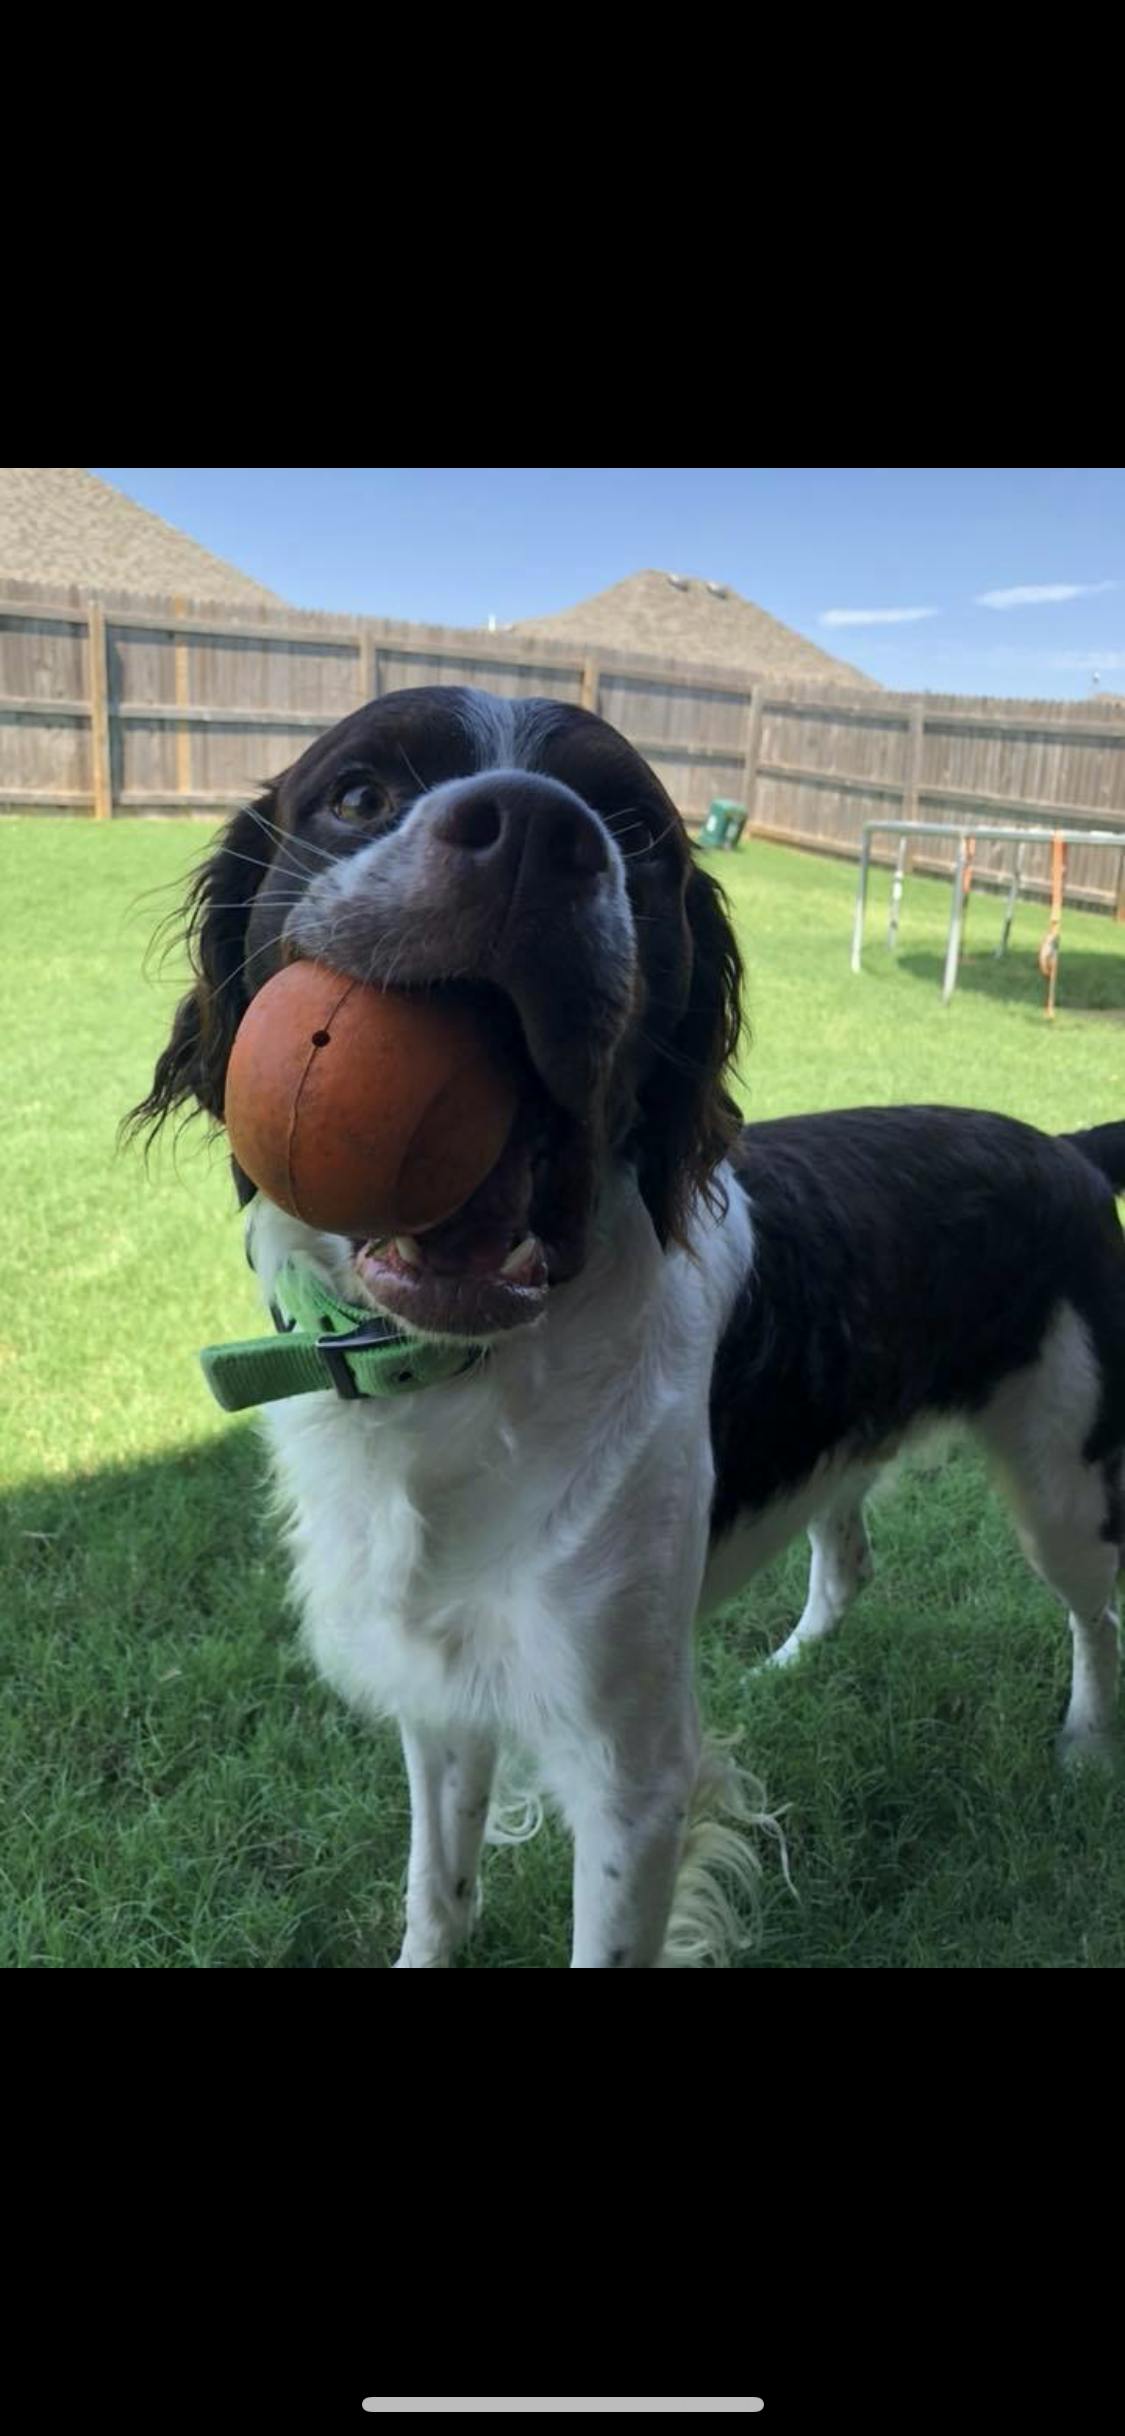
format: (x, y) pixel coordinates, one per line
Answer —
(523, 853)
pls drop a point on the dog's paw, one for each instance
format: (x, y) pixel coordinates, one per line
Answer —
(785, 1653)
(1079, 1746)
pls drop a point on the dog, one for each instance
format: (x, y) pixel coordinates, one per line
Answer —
(655, 1344)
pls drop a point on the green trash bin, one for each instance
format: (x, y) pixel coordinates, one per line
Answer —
(724, 824)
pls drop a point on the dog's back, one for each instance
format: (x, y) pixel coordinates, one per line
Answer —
(915, 1266)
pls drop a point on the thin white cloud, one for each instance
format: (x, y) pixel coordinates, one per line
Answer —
(874, 617)
(1023, 596)
(1088, 659)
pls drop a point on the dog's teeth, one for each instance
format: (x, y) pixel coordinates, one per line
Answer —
(408, 1251)
(516, 1259)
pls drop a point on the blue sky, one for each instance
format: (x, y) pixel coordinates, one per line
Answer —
(972, 580)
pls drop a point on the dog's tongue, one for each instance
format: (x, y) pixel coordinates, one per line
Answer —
(460, 1249)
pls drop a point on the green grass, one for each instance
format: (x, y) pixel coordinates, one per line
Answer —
(179, 1791)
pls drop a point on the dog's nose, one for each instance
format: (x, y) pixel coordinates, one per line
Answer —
(532, 825)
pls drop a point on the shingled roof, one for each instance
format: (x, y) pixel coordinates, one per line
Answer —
(685, 617)
(60, 525)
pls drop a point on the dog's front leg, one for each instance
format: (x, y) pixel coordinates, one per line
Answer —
(626, 1772)
(629, 1829)
(450, 1775)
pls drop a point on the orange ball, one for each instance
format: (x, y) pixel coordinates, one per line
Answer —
(365, 1111)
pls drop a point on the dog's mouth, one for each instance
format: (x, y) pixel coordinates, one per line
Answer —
(491, 1266)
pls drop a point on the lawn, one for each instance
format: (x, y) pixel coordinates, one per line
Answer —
(179, 1791)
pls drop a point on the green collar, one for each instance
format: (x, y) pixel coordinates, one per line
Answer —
(323, 1343)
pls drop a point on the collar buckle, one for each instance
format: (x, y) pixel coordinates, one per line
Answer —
(333, 1351)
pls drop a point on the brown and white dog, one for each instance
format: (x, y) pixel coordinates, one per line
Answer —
(699, 1338)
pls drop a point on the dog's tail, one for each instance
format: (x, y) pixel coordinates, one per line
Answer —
(720, 1863)
(1104, 1146)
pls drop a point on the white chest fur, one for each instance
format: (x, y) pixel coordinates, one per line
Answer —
(465, 1551)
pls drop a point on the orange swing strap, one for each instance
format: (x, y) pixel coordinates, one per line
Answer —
(1049, 949)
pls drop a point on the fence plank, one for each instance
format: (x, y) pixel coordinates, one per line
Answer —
(843, 782)
(915, 744)
(183, 697)
(99, 713)
(44, 706)
(753, 749)
(203, 714)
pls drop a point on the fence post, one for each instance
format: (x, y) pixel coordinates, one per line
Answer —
(99, 712)
(183, 697)
(591, 684)
(366, 669)
(753, 748)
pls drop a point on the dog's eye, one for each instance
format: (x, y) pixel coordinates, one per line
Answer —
(359, 799)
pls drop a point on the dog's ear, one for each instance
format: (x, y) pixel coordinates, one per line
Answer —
(688, 1119)
(212, 921)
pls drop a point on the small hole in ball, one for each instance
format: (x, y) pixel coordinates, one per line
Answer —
(320, 1040)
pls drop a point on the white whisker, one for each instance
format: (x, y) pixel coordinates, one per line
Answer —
(640, 851)
(297, 845)
(227, 979)
(419, 782)
(242, 904)
(257, 861)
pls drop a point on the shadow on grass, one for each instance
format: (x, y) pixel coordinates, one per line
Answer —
(1088, 984)
(180, 1792)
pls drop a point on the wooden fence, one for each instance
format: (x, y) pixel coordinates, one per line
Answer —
(125, 704)
(826, 765)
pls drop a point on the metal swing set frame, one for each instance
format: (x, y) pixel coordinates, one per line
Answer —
(968, 836)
